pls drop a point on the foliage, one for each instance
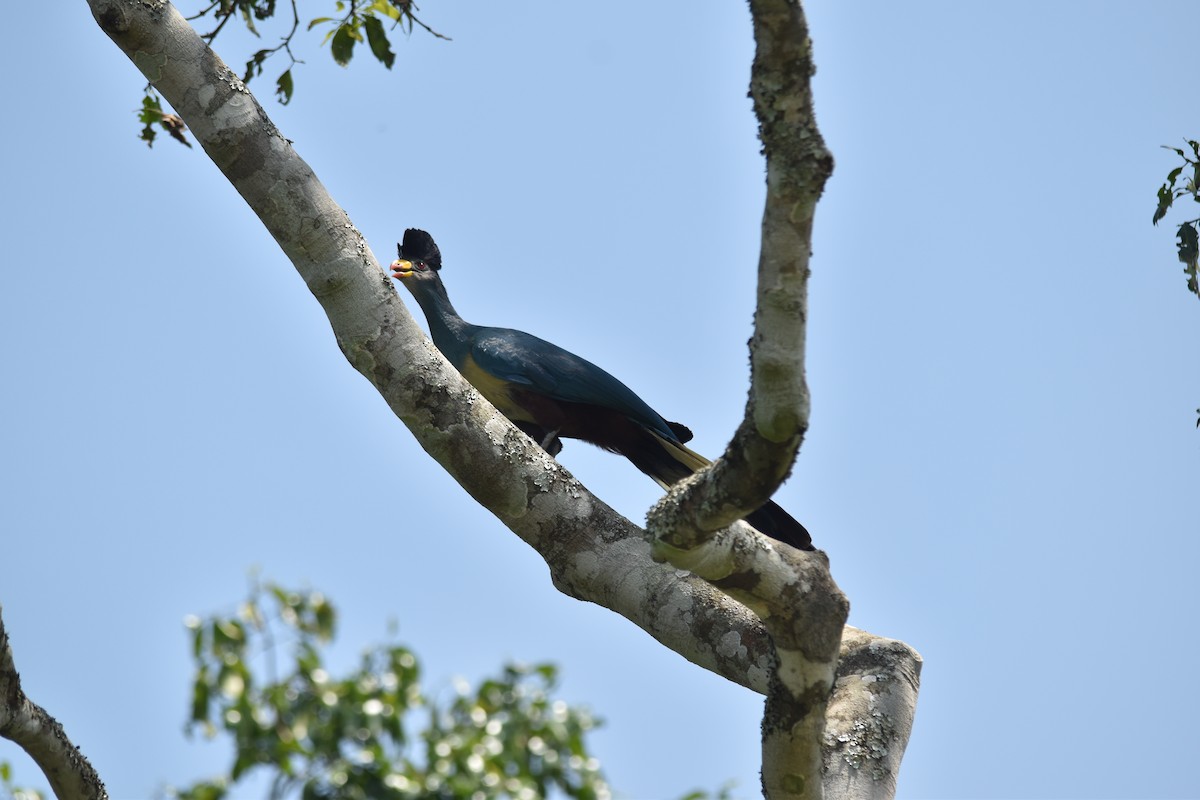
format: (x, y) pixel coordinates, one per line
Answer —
(724, 793)
(10, 791)
(152, 114)
(357, 736)
(1182, 181)
(352, 22)
(361, 737)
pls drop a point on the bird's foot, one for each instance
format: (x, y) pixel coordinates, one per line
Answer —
(551, 443)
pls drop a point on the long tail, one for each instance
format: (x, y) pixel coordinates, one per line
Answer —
(668, 462)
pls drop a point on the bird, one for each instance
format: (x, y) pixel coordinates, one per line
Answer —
(552, 394)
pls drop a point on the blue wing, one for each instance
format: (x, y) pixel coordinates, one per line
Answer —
(534, 364)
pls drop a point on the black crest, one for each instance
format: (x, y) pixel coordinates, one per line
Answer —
(419, 246)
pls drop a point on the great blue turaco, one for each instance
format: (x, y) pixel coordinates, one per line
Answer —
(552, 394)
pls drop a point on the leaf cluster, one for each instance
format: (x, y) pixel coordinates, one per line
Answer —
(1183, 181)
(351, 22)
(364, 21)
(10, 791)
(152, 114)
(373, 733)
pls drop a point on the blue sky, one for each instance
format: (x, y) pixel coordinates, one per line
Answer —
(1003, 359)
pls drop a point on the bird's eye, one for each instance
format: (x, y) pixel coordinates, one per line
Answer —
(420, 265)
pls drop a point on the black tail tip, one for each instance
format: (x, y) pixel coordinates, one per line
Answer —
(781, 526)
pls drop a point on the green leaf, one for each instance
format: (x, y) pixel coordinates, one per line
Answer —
(249, 20)
(200, 697)
(1165, 198)
(229, 632)
(1189, 244)
(243, 762)
(318, 21)
(151, 110)
(1189, 254)
(280, 594)
(264, 9)
(284, 88)
(387, 9)
(379, 41)
(325, 617)
(254, 65)
(203, 791)
(343, 44)
(150, 113)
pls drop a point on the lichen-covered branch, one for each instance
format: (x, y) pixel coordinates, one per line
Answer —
(870, 716)
(761, 453)
(793, 593)
(807, 637)
(804, 612)
(41, 736)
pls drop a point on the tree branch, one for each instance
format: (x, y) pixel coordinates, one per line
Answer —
(807, 631)
(593, 553)
(41, 736)
(761, 453)
(801, 607)
(870, 716)
(804, 612)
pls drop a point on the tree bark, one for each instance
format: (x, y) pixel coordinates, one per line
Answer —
(788, 648)
(41, 736)
(870, 716)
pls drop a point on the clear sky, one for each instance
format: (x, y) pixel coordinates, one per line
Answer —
(1004, 364)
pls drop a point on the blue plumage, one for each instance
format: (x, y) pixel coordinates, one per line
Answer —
(552, 394)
